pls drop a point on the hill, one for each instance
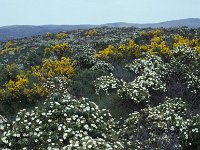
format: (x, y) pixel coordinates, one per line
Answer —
(21, 31)
(190, 22)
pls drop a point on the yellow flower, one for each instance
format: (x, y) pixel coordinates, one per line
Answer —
(91, 32)
(51, 68)
(106, 52)
(61, 36)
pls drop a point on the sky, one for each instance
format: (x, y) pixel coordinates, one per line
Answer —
(40, 12)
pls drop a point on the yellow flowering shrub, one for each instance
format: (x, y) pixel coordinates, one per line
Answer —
(164, 49)
(9, 44)
(61, 36)
(8, 47)
(60, 47)
(59, 50)
(106, 52)
(49, 34)
(197, 49)
(156, 40)
(21, 89)
(35, 90)
(131, 49)
(19, 85)
(152, 33)
(158, 46)
(194, 42)
(180, 40)
(91, 32)
(51, 68)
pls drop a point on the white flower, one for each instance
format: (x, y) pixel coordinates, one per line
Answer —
(89, 146)
(86, 126)
(17, 119)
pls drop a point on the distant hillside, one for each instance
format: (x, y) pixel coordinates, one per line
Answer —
(190, 22)
(20, 31)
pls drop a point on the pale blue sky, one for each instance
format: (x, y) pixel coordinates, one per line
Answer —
(39, 12)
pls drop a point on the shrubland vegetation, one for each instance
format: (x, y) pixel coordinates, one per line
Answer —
(103, 88)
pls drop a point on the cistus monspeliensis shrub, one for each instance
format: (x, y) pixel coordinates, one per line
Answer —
(106, 84)
(62, 123)
(86, 57)
(102, 66)
(185, 62)
(166, 126)
(150, 71)
(2, 120)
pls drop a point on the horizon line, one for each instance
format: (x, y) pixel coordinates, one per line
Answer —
(93, 24)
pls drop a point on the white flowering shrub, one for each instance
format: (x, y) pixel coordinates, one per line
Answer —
(166, 123)
(193, 82)
(152, 80)
(64, 123)
(149, 63)
(86, 57)
(2, 120)
(102, 66)
(106, 83)
(150, 70)
(185, 55)
(185, 63)
(57, 86)
(184, 59)
(134, 91)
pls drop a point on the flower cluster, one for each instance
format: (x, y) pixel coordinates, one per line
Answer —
(193, 82)
(64, 123)
(9, 48)
(106, 83)
(151, 71)
(86, 57)
(184, 54)
(2, 120)
(59, 50)
(185, 62)
(106, 52)
(134, 91)
(143, 66)
(60, 36)
(102, 66)
(91, 32)
(57, 86)
(169, 118)
(52, 67)
(21, 89)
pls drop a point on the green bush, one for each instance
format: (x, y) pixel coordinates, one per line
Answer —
(62, 123)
